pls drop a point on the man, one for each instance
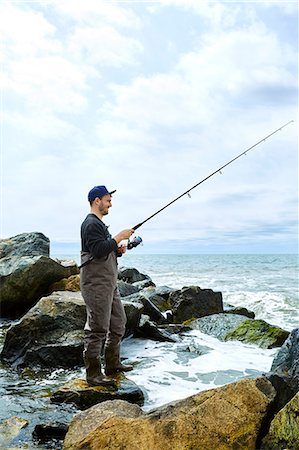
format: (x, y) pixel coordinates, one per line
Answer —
(106, 319)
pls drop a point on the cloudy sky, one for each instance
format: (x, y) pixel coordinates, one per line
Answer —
(149, 97)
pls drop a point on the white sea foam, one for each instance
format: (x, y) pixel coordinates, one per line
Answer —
(171, 371)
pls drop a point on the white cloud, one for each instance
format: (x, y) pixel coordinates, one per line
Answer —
(103, 45)
(97, 11)
(86, 92)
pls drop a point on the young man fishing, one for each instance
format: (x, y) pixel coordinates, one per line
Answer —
(106, 319)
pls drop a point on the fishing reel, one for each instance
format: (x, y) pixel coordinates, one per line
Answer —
(134, 243)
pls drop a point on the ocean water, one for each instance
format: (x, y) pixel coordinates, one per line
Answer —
(265, 284)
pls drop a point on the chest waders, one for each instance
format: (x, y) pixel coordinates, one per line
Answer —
(105, 317)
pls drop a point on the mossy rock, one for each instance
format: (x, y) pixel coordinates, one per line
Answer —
(284, 429)
(258, 332)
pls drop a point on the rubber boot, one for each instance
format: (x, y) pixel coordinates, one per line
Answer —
(94, 375)
(113, 363)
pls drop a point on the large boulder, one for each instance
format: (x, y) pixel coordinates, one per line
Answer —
(84, 396)
(217, 325)
(284, 373)
(223, 418)
(25, 279)
(131, 275)
(86, 422)
(284, 429)
(286, 361)
(51, 333)
(25, 244)
(192, 302)
(258, 332)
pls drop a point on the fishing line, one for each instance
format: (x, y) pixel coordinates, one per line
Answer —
(219, 170)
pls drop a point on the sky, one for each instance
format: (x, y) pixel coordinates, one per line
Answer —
(148, 98)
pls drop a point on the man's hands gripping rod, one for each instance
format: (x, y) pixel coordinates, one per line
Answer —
(123, 235)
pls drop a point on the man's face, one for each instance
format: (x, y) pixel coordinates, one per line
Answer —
(104, 204)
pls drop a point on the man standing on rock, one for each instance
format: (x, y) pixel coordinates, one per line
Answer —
(106, 319)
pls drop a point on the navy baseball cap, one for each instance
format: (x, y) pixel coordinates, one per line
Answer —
(98, 191)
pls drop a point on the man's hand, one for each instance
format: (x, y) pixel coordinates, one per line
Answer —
(124, 234)
(121, 249)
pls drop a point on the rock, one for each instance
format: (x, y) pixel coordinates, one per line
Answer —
(25, 244)
(230, 309)
(286, 362)
(25, 279)
(284, 429)
(175, 328)
(9, 430)
(192, 302)
(131, 275)
(51, 333)
(160, 301)
(284, 374)
(133, 311)
(87, 422)
(151, 310)
(71, 284)
(84, 396)
(163, 291)
(217, 325)
(149, 330)
(126, 289)
(49, 432)
(144, 284)
(148, 307)
(258, 332)
(224, 418)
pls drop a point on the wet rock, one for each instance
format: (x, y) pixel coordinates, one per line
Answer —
(286, 361)
(160, 301)
(144, 284)
(230, 309)
(175, 328)
(228, 417)
(150, 309)
(284, 429)
(9, 430)
(84, 396)
(149, 330)
(133, 310)
(192, 302)
(126, 289)
(87, 422)
(131, 275)
(51, 333)
(258, 332)
(284, 373)
(25, 279)
(49, 432)
(25, 244)
(217, 325)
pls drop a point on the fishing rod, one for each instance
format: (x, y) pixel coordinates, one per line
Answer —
(138, 240)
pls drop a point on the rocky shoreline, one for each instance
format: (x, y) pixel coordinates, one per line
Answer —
(44, 296)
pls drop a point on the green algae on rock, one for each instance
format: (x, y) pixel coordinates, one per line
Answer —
(284, 429)
(258, 332)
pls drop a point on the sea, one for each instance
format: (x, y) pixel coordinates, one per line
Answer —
(265, 284)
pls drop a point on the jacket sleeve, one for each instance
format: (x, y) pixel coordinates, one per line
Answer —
(97, 242)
